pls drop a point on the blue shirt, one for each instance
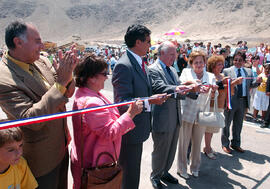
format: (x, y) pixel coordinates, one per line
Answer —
(244, 82)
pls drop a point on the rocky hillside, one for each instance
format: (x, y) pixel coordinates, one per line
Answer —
(106, 20)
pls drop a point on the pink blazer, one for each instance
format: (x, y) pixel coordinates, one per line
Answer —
(100, 130)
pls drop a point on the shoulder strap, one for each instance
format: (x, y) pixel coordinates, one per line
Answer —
(82, 141)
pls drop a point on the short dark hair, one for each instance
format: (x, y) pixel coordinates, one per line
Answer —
(223, 50)
(10, 135)
(89, 67)
(14, 29)
(240, 53)
(255, 57)
(136, 32)
(239, 42)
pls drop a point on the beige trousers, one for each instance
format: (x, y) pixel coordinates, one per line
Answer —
(193, 132)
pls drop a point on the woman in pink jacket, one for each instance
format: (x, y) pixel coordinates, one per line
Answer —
(102, 130)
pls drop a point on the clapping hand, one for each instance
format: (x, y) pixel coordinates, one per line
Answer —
(65, 66)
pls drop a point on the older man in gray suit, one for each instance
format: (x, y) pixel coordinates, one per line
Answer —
(131, 80)
(166, 117)
(239, 101)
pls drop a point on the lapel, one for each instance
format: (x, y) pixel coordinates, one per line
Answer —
(137, 67)
(233, 75)
(245, 71)
(26, 78)
(166, 74)
(45, 70)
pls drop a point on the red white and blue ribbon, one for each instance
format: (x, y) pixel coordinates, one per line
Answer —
(49, 117)
(229, 106)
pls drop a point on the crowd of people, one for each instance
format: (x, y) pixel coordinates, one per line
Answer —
(180, 81)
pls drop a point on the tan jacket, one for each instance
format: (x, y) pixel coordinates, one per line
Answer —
(21, 96)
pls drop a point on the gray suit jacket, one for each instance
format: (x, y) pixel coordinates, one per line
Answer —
(168, 115)
(130, 82)
(251, 83)
(21, 96)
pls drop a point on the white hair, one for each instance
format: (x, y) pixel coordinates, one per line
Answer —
(164, 47)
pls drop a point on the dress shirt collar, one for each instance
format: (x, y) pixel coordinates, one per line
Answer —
(162, 64)
(137, 57)
(236, 69)
(23, 65)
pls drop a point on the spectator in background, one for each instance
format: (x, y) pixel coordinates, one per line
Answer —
(224, 53)
(181, 62)
(215, 50)
(229, 57)
(261, 100)
(189, 50)
(266, 121)
(267, 55)
(209, 49)
(256, 68)
(245, 47)
(175, 62)
(1, 54)
(196, 47)
(183, 49)
(240, 46)
(219, 46)
(260, 51)
(113, 61)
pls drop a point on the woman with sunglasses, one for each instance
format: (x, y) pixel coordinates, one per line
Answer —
(102, 130)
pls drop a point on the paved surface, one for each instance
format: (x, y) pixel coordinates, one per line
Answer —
(249, 170)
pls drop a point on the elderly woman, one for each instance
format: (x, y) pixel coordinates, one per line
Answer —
(102, 130)
(215, 65)
(190, 130)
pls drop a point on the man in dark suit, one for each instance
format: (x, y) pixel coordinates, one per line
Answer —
(266, 121)
(29, 87)
(239, 101)
(166, 117)
(131, 80)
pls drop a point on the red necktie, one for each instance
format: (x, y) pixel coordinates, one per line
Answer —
(143, 67)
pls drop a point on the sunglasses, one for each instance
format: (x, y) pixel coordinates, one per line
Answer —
(104, 73)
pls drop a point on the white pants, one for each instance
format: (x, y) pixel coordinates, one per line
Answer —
(193, 132)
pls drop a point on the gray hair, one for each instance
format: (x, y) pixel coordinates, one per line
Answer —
(164, 47)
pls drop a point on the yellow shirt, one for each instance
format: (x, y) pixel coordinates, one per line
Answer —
(18, 176)
(262, 86)
(26, 66)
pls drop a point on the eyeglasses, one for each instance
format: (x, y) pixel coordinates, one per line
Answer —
(104, 73)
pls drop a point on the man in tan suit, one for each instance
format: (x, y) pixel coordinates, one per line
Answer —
(29, 87)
